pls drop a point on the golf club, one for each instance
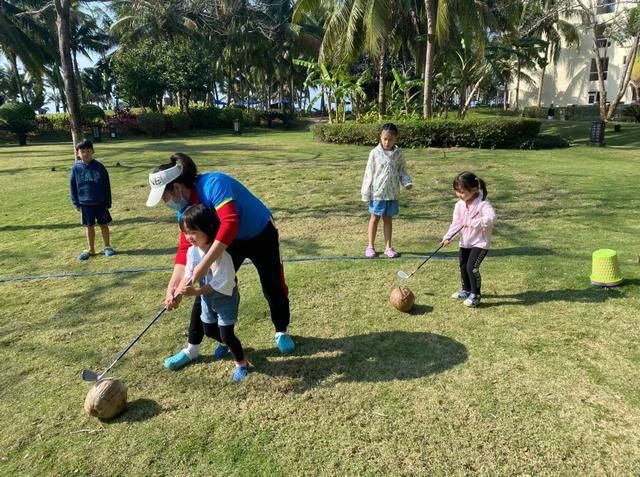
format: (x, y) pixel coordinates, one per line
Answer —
(88, 375)
(405, 275)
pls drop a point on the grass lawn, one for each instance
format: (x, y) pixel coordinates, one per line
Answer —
(542, 379)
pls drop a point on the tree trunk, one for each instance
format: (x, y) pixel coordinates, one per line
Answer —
(76, 70)
(518, 70)
(381, 82)
(430, 7)
(474, 91)
(16, 74)
(626, 77)
(64, 45)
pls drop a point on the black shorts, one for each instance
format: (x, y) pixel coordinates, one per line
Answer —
(93, 213)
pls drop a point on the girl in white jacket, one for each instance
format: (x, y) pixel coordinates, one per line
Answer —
(474, 216)
(386, 173)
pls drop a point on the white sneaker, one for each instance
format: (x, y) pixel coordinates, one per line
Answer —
(473, 301)
(460, 294)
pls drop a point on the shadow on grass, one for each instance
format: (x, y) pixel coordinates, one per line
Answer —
(131, 220)
(148, 251)
(532, 297)
(138, 411)
(374, 357)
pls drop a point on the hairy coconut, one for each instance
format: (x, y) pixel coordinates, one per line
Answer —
(402, 299)
(106, 399)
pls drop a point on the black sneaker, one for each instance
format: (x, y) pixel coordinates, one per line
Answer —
(472, 301)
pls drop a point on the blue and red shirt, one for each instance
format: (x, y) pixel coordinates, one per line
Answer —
(242, 215)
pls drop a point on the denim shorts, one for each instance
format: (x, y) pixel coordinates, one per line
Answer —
(384, 207)
(93, 213)
(220, 308)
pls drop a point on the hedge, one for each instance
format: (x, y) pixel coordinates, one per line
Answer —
(491, 133)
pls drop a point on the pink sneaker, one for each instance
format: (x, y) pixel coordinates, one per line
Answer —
(370, 252)
(391, 253)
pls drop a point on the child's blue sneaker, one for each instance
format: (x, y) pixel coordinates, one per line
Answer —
(284, 342)
(220, 351)
(177, 361)
(240, 373)
(84, 255)
(109, 252)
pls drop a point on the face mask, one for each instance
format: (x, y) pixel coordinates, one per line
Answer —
(177, 206)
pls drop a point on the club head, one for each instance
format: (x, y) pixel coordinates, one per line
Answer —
(88, 375)
(403, 275)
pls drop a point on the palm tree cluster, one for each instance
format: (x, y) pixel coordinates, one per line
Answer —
(384, 56)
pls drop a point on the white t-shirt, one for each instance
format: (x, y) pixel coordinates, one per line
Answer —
(221, 276)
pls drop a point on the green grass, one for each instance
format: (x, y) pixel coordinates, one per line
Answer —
(541, 380)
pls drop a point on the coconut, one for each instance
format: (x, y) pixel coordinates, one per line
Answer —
(106, 399)
(402, 299)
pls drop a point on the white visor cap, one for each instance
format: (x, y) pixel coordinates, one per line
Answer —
(159, 180)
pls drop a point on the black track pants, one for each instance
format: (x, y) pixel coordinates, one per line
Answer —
(470, 260)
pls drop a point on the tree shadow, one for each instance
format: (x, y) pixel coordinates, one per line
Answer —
(137, 411)
(531, 297)
(374, 358)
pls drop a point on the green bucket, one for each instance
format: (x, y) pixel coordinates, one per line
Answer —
(605, 271)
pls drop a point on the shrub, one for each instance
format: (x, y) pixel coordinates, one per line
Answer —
(124, 120)
(180, 121)
(228, 115)
(91, 115)
(152, 123)
(19, 118)
(483, 133)
(544, 141)
(205, 118)
(535, 112)
(60, 121)
(632, 111)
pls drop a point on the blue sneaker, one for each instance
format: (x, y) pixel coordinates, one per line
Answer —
(220, 351)
(177, 361)
(284, 342)
(109, 252)
(240, 373)
(84, 255)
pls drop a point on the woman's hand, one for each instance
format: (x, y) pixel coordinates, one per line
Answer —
(186, 289)
(172, 298)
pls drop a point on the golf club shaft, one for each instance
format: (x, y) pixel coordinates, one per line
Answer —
(124, 351)
(438, 249)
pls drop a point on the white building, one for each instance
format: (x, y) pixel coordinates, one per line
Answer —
(573, 80)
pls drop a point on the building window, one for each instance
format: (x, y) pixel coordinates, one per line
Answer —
(594, 97)
(593, 72)
(606, 6)
(601, 40)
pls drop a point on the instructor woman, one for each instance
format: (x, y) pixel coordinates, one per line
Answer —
(246, 231)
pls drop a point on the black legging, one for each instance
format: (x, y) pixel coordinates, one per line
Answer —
(264, 252)
(470, 260)
(225, 334)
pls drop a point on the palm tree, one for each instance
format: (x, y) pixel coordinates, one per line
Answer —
(24, 38)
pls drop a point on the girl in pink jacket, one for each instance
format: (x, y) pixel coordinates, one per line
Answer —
(474, 216)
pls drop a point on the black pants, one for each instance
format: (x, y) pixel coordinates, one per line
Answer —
(225, 335)
(264, 252)
(470, 260)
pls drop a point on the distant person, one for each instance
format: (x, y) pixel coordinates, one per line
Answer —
(91, 196)
(247, 230)
(385, 174)
(551, 112)
(218, 294)
(474, 213)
